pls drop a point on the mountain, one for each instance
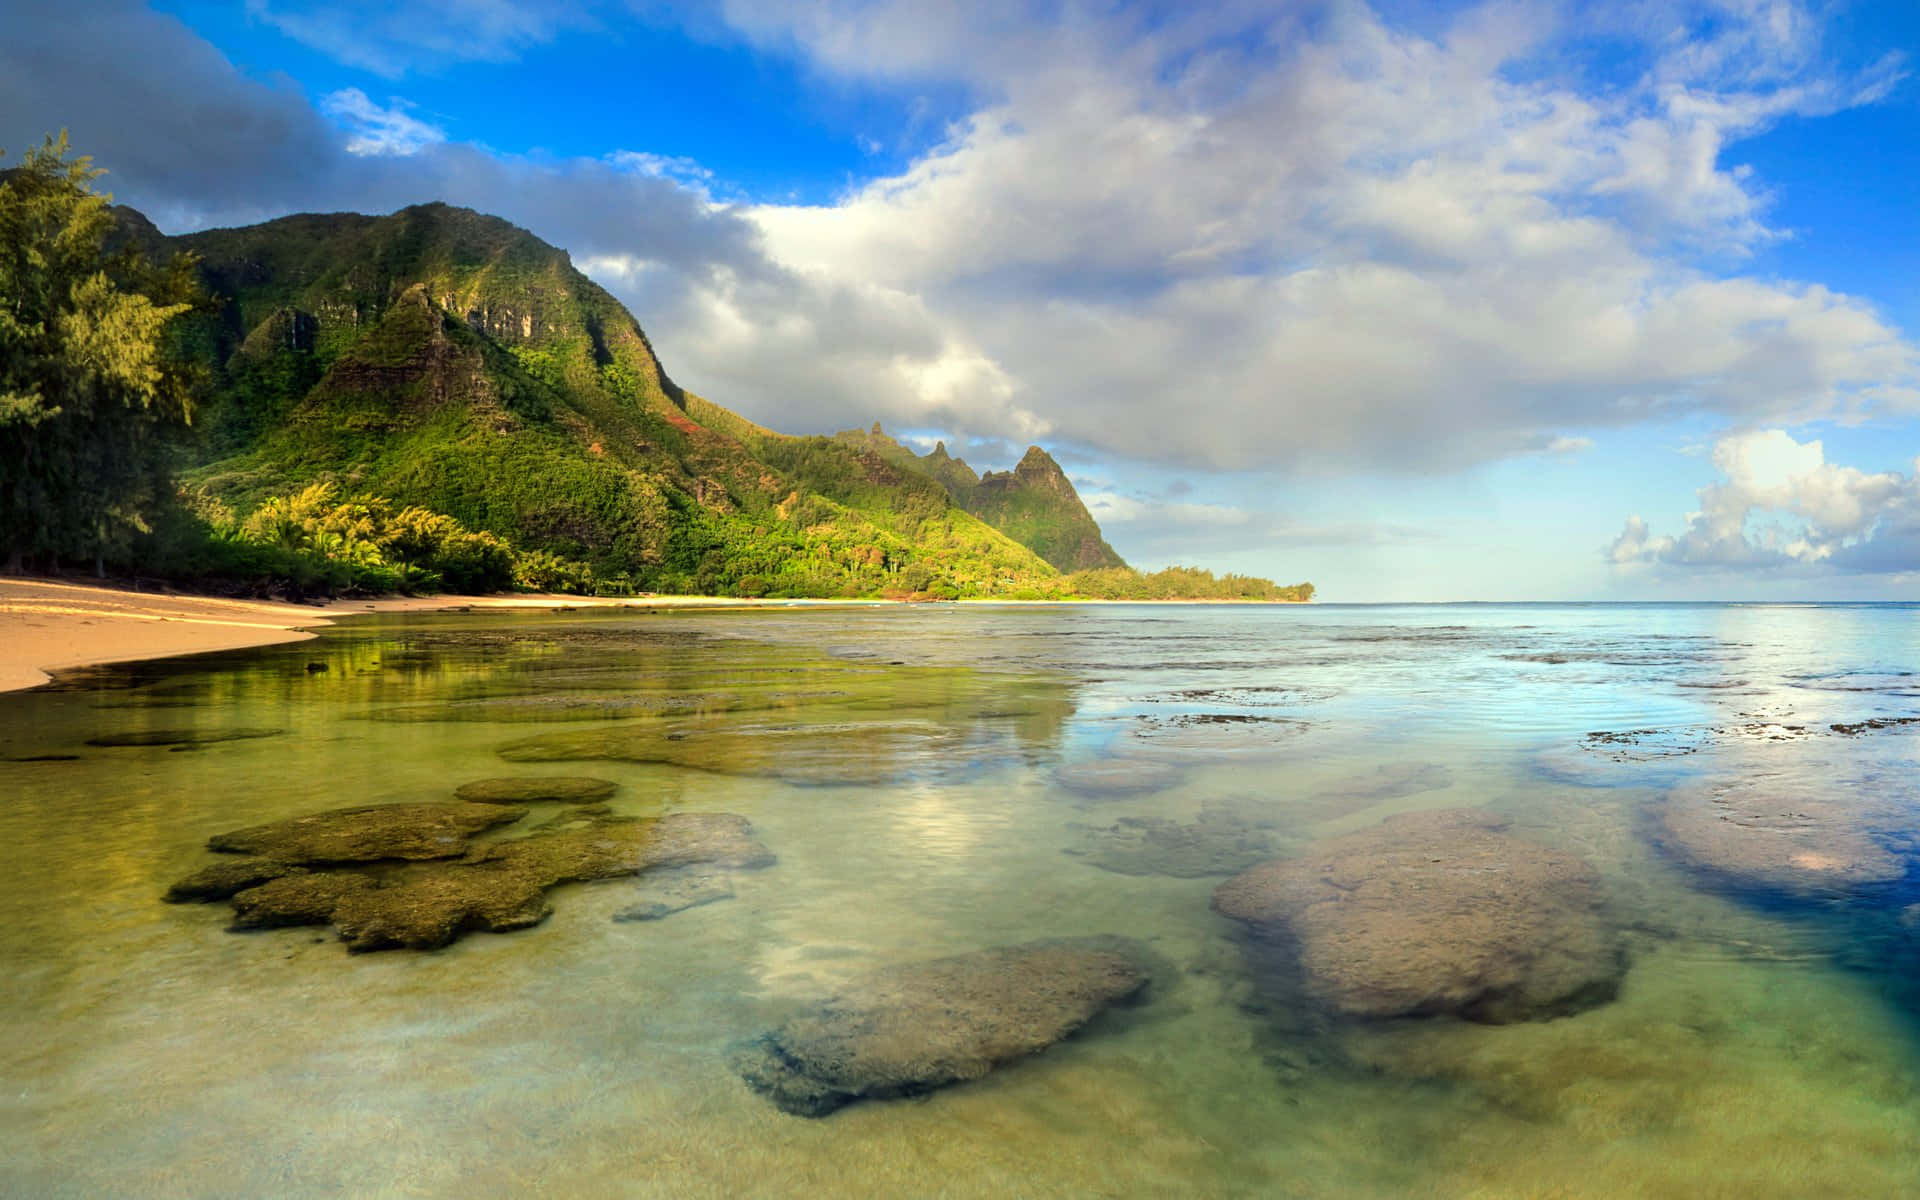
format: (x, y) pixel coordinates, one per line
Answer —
(445, 359)
(1035, 503)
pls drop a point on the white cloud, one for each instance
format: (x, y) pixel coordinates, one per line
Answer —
(1823, 514)
(1357, 246)
(376, 131)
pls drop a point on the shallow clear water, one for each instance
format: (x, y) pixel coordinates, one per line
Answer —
(931, 781)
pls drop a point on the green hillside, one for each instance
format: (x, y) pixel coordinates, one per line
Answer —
(1035, 504)
(437, 399)
(445, 359)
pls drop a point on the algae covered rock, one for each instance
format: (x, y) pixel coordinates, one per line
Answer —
(660, 894)
(1104, 778)
(818, 753)
(305, 898)
(607, 849)
(179, 737)
(1772, 835)
(1433, 912)
(428, 907)
(1219, 841)
(223, 879)
(556, 789)
(909, 1029)
(376, 902)
(382, 831)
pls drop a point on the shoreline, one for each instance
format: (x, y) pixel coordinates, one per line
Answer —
(51, 626)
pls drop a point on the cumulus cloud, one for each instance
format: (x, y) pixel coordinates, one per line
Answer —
(194, 143)
(1781, 504)
(374, 130)
(1342, 243)
(1245, 236)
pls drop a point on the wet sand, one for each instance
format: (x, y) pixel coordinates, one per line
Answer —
(48, 625)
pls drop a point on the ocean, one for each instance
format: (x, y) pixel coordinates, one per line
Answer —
(1736, 783)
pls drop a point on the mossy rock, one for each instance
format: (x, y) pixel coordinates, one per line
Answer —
(660, 894)
(370, 834)
(223, 879)
(823, 753)
(1429, 913)
(180, 737)
(555, 789)
(909, 1029)
(499, 887)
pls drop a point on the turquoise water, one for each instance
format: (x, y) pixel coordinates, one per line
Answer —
(939, 779)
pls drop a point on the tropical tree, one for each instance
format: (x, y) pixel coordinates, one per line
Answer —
(86, 389)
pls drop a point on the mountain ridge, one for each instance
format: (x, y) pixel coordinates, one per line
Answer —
(445, 359)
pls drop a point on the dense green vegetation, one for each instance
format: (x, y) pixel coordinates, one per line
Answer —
(91, 380)
(1035, 504)
(1179, 583)
(436, 399)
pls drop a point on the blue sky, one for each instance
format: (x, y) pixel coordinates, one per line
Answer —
(1531, 299)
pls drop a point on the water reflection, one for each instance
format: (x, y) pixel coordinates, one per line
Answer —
(935, 782)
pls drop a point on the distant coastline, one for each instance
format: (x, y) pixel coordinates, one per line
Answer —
(50, 626)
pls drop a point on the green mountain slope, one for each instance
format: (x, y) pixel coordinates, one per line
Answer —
(1035, 503)
(441, 358)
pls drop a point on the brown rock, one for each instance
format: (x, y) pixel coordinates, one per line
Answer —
(179, 737)
(500, 887)
(558, 789)
(910, 1029)
(660, 894)
(307, 898)
(383, 831)
(1774, 835)
(608, 849)
(1434, 912)
(428, 907)
(223, 879)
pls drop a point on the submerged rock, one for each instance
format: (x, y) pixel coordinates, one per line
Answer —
(608, 849)
(853, 752)
(223, 879)
(909, 1029)
(306, 898)
(381, 831)
(428, 907)
(1775, 836)
(1217, 842)
(498, 887)
(1433, 912)
(179, 737)
(1117, 777)
(662, 893)
(559, 789)
(1387, 782)
(1213, 734)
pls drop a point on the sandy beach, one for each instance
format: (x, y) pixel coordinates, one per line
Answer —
(51, 625)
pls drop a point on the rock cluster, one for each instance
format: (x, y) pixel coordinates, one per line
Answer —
(1433, 912)
(909, 1029)
(372, 874)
